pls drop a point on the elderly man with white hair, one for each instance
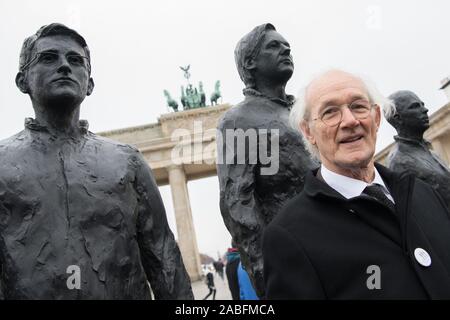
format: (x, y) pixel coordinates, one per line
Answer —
(357, 230)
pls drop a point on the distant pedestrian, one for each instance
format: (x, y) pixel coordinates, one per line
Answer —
(210, 284)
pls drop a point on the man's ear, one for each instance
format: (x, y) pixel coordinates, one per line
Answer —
(378, 116)
(90, 87)
(306, 130)
(21, 82)
(250, 64)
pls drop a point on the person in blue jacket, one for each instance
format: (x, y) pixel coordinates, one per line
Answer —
(246, 290)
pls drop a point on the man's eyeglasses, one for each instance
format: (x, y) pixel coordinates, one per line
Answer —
(51, 58)
(332, 115)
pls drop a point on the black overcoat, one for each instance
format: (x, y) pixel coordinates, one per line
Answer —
(323, 246)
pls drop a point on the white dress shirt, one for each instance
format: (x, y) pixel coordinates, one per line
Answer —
(350, 187)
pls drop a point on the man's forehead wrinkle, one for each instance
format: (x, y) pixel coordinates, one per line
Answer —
(48, 50)
(357, 94)
(64, 49)
(322, 90)
(58, 44)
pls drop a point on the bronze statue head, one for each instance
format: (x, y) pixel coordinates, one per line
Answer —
(410, 118)
(264, 53)
(55, 68)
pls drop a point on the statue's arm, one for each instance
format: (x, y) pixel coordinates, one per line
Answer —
(242, 215)
(161, 257)
(240, 208)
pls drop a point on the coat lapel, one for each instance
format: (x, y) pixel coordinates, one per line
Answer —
(367, 209)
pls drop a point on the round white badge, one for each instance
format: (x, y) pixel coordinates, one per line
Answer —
(422, 257)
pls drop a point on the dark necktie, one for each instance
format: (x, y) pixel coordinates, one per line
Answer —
(376, 192)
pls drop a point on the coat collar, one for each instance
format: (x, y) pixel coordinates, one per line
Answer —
(417, 143)
(288, 103)
(350, 187)
(34, 125)
(318, 187)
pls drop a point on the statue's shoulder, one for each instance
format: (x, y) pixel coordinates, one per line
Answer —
(244, 115)
(12, 149)
(14, 142)
(400, 160)
(122, 153)
(113, 147)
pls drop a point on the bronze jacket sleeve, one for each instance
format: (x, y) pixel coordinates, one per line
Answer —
(240, 208)
(160, 254)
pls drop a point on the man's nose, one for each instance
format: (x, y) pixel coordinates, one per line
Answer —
(64, 65)
(286, 50)
(348, 118)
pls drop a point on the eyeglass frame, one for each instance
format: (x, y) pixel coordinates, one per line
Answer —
(36, 56)
(348, 106)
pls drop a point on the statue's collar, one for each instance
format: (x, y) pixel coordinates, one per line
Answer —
(290, 99)
(421, 143)
(34, 125)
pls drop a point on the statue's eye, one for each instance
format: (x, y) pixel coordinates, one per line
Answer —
(48, 57)
(415, 105)
(75, 59)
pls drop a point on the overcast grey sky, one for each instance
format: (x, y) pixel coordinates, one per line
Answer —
(138, 46)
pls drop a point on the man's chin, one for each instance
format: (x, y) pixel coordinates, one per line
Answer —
(356, 159)
(64, 98)
(285, 73)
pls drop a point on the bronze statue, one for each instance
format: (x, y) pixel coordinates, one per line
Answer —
(201, 94)
(216, 94)
(171, 102)
(250, 195)
(81, 216)
(192, 97)
(411, 152)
